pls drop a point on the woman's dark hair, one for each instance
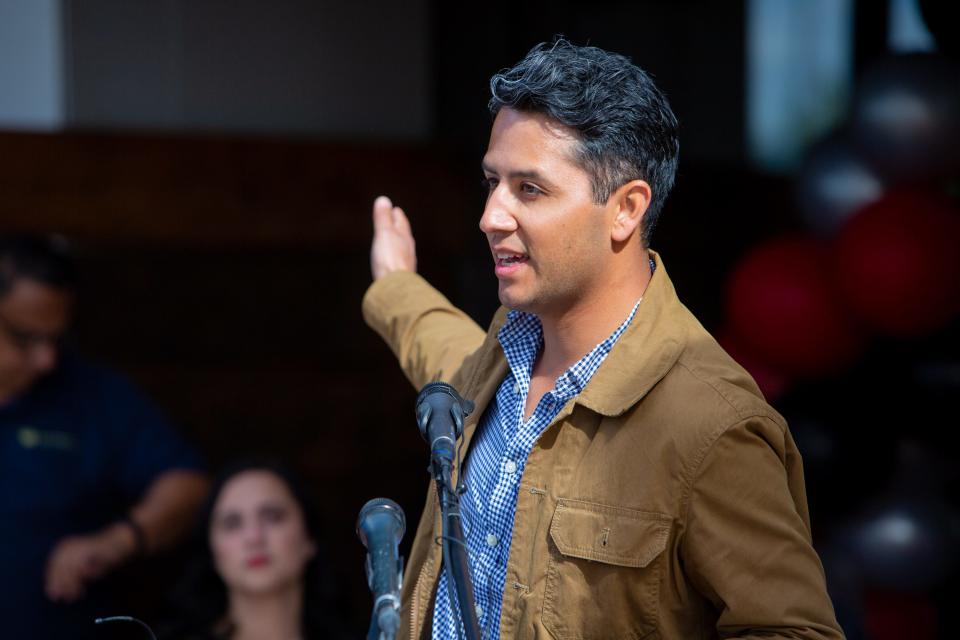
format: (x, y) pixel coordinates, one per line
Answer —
(199, 601)
(624, 124)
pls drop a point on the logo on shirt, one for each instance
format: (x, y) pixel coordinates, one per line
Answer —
(33, 438)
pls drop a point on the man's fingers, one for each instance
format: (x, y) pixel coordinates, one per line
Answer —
(382, 214)
(387, 217)
(401, 222)
(393, 246)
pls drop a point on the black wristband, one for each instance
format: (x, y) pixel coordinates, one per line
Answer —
(139, 538)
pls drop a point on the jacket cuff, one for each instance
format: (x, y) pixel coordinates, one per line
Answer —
(394, 295)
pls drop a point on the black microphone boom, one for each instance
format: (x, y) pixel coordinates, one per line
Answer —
(380, 526)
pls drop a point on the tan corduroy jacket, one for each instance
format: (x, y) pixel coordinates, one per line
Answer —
(665, 501)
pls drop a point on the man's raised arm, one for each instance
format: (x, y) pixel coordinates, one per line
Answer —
(430, 337)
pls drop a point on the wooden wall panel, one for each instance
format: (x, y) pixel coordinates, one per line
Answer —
(215, 191)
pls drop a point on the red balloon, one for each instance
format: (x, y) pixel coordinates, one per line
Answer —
(894, 616)
(898, 264)
(782, 306)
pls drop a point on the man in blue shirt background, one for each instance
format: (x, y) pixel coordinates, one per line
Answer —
(91, 474)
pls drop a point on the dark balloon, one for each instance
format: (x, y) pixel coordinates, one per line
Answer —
(833, 183)
(898, 264)
(908, 539)
(905, 116)
(906, 542)
(819, 445)
(840, 465)
(782, 307)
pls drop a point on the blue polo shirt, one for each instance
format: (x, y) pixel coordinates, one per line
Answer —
(76, 451)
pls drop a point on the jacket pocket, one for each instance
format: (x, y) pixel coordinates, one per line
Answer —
(604, 571)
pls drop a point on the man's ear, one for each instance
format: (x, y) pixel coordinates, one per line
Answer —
(631, 201)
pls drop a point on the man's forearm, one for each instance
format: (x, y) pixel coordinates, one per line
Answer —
(430, 337)
(168, 507)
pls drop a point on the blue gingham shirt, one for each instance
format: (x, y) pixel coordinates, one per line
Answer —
(500, 450)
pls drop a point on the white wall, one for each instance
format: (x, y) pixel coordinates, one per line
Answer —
(31, 65)
(357, 68)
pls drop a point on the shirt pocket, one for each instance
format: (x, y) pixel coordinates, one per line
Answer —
(603, 574)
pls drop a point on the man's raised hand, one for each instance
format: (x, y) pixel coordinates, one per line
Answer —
(393, 246)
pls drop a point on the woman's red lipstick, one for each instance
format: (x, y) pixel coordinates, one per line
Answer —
(258, 561)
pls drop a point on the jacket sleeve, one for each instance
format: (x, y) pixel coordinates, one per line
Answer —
(747, 545)
(429, 336)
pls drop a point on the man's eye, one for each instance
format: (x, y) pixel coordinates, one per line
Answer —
(530, 189)
(489, 183)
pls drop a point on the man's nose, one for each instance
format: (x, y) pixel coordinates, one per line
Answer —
(497, 215)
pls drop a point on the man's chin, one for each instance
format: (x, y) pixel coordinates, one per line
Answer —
(515, 302)
(507, 297)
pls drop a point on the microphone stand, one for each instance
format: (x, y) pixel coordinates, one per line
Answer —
(385, 619)
(455, 558)
(378, 631)
(441, 432)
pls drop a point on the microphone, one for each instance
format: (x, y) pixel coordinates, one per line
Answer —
(380, 526)
(440, 413)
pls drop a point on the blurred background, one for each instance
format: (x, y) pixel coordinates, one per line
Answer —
(214, 164)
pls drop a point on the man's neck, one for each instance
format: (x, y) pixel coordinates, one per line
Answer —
(570, 335)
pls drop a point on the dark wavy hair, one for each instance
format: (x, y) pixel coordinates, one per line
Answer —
(624, 124)
(199, 600)
(45, 259)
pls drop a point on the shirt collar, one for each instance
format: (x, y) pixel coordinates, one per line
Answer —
(521, 338)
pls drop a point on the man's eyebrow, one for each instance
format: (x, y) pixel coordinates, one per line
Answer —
(531, 173)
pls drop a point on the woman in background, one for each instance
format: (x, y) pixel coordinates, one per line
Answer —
(258, 575)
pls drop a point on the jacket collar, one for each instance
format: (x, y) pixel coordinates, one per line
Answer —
(646, 351)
